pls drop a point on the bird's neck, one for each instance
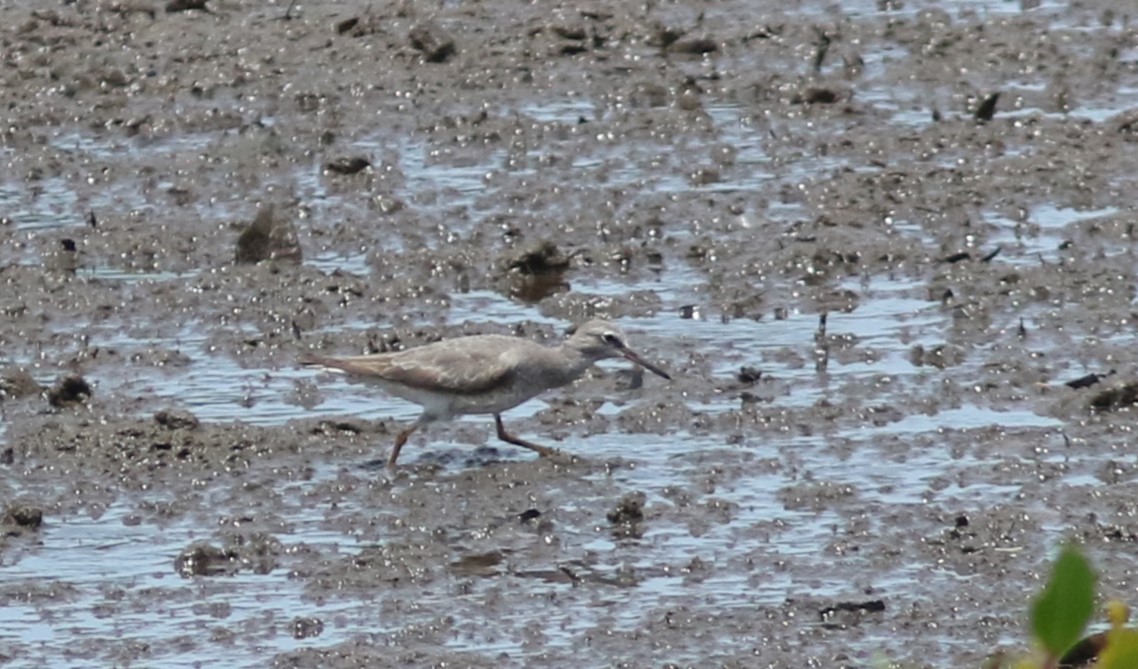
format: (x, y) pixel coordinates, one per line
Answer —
(578, 363)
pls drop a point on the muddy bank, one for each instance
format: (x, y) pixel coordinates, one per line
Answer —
(897, 309)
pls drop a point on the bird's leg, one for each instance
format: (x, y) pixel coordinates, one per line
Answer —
(399, 441)
(543, 451)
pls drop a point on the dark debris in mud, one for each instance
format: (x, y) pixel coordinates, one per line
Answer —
(21, 517)
(207, 560)
(627, 518)
(268, 237)
(69, 391)
(1116, 397)
(347, 166)
(724, 174)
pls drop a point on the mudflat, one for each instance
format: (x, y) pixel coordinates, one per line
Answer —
(884, 249)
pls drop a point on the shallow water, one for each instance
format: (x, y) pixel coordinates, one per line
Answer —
(923, 453)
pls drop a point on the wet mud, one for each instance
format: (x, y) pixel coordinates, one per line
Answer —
(886, 251)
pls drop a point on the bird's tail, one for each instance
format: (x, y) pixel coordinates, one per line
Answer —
(314, 360)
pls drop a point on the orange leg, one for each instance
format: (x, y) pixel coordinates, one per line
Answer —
(543, 451)
(399, 441)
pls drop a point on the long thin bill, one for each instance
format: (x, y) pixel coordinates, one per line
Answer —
(645, 364)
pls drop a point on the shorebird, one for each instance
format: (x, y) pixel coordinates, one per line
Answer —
(483, 374)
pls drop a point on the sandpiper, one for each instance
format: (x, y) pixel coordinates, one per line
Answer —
(483, 374)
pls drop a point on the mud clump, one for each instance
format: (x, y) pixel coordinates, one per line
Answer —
(165, 444)
(545, 258)
(437, 46)
(689, 171)
(175, 419)
(630, 509)
(268, 238)
(16, 383)
(846, 614)
(256, 552)
(479, 564)
(1116, 397)
(348, 166)
(207, 560)
(627, 517)
(69, 391)
(749, 376)
(18, 517)
(538, 273)
(306, 627)
(174, 6)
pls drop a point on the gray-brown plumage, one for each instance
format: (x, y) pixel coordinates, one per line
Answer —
(484, 374)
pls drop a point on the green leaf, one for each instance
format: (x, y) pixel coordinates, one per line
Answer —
(1062, 610)
(1121, 650)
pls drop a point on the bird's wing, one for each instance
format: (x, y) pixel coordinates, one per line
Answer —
(465, 372)
(459, 370)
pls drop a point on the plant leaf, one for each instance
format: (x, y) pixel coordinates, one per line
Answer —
(1061, 612)
(1121, 650)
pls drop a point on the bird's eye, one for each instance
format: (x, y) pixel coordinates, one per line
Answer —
(612, 340)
